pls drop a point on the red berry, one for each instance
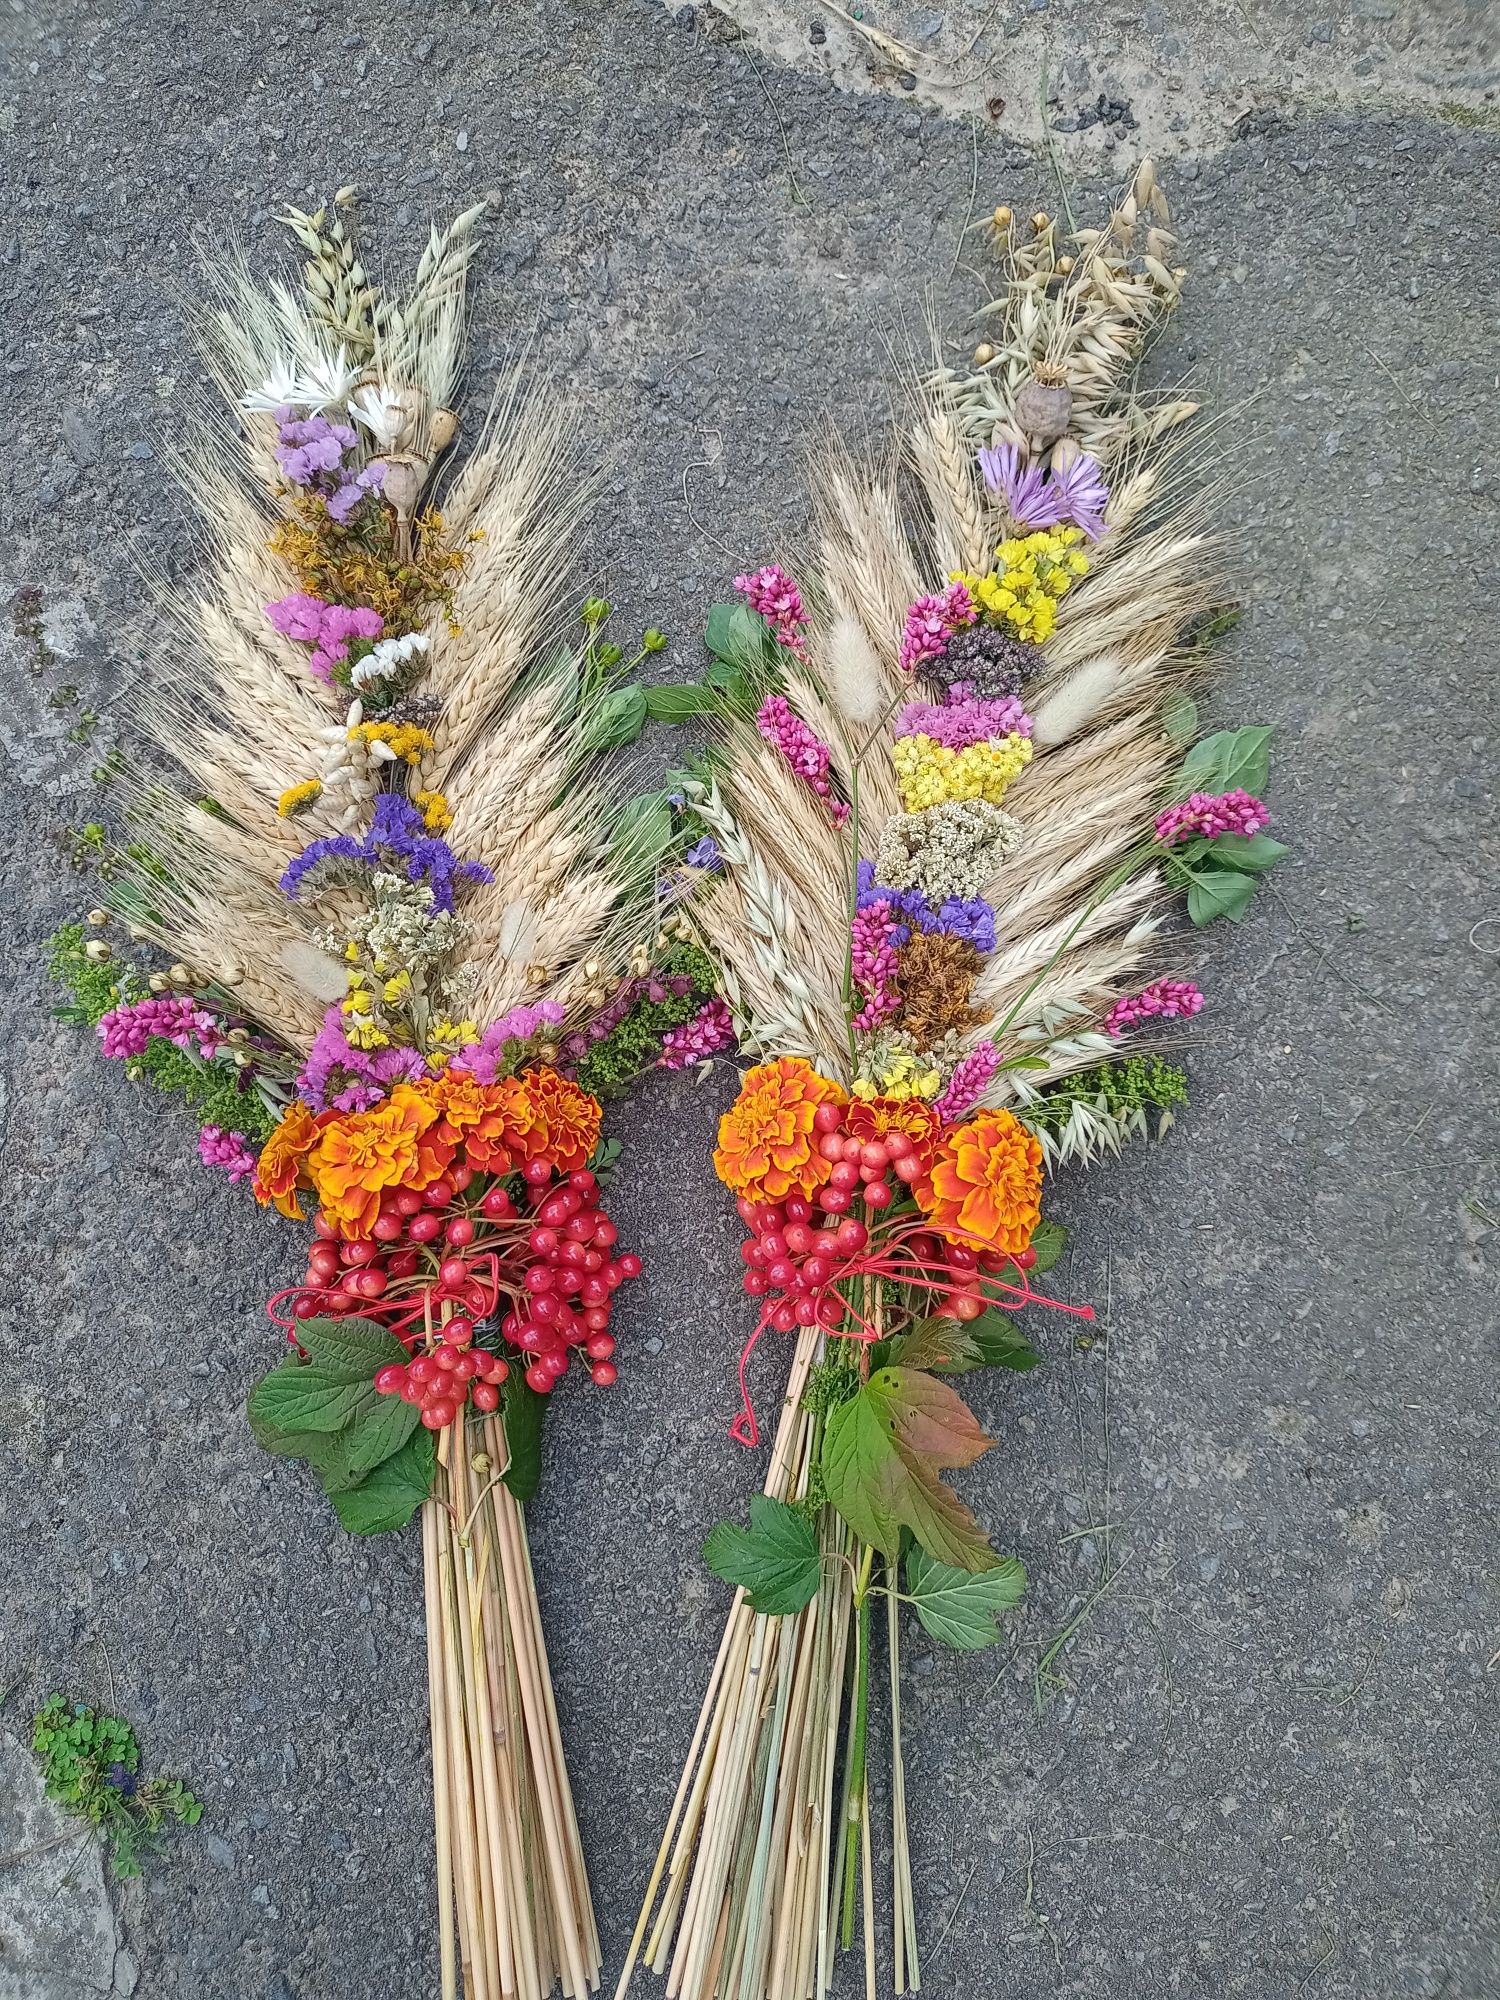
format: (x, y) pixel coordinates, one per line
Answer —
(817, 1271)
(408, 1202)
(459, 1330)
(465, 1367)
(851, 1237)
(834, 1200)
(539, 1278)
(831, 1146)
(453, 1271)
(605, 1374)
(582, 1181)
(323, 1262)
(807, 1312)
(830, 1310)
(425, 1228)
(877, 1195)
(851, 1150)
(827, 1118)
(605, 1236)
(496, 1204)
(355, 1254)
(962, 1258)
(339, 1302)
(323, 1227)
(629, 1266)
(784, 1319)
(897, 1144)
(460, 1232)
(439, 1414)
(485, 1397)
(439, 1194)
(371, 1283)
(755, 1284)
(537, 1173)
(391, 1379)
(799, 1238)
(908, 1168)
(460, 1177)
(773, 1243)
(306, 1307)
(1024, 1260)
(873, 1154)
(746, 1208)
(446, 1359)
(411, 1392)
(493, 1367)
(844, 1175)
(403, 1264)
(599, 1346)
(967, 1306)
(539, 1378)
(797, 1210)
(423, 1368)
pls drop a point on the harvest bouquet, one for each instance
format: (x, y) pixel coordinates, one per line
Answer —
(957, 790)
(392, 938)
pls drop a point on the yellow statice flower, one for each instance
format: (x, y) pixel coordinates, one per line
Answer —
(397, 988)
(436, 814)
(297, 798)
(1031, 573)
(903, 1077)
(931, 774)
(404, 740)
(446, 1038)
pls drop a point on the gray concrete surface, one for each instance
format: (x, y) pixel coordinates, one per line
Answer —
(1262, 1763)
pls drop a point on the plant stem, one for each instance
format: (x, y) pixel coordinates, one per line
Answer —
(856, 1782)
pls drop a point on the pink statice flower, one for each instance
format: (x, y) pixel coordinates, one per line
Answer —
(711, 1029)
(775, 597)
(327, 628)
(968, 720)
(339, 1077)
(968, 1083)
(485, 1059)
(1211, 815)
(932, 622)
(125, 1030)
(1163, 999)
(229, 1151)
(806, 752)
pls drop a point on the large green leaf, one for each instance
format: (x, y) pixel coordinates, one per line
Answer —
(327, 1453)
(1229, 761)
(616, 719)
(1000, 1343)
(1219, 892)
(1049, 1240)
(939, 1343)
(349, 1350)
(378, 1432)
(774, 1560)
(677, 701)
(389, 1496)
(958, 1607)
(298, 1396)
(1253, 855)
(523, 1414)
(881, 1454)
(737, 635)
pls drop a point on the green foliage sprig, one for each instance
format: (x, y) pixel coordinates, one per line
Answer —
(634, 1043)
(1119, 1089)
(91, 1768)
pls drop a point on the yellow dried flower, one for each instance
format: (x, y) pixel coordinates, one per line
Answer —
(297, 798)
(404, 739)
(930, 773)
(434, 808)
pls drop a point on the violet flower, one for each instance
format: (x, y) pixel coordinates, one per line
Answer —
(968, 1083)
(711, 1029)
(486, 1058)
(339, 1077)
(396, 833)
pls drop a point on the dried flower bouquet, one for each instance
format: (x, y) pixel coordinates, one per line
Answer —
(957, 789)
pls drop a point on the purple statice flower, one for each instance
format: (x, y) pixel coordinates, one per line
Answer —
(1211, 814)
(230, 1151)
(486, 1059)
(1028, 499)
(311, 452)
(125, 1030)
(772, 594)
(328, 628)
(705, 853)
(968, 917)
(711, 1029)
(339, 1077)
(397, 833)
(968, 1083)
(931, 623)
(1163, 999)
(1080, 495)
(874, 937)
(968, 720)
(806, 752)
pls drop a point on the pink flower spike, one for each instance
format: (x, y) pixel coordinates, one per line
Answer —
(1163, 999)
(772, 594)
(807, 753)
(1211, 815)
(711, 1029)
(932, 622)
(229, 1151)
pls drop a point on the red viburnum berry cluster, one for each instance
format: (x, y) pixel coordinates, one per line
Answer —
(465, 1245)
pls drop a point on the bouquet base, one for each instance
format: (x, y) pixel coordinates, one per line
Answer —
(515, 1915)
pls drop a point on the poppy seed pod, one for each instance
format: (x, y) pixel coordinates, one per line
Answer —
(1042, 410)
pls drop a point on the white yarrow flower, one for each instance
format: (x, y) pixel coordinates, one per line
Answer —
(380, 409)
(327, 381)
(279, 389)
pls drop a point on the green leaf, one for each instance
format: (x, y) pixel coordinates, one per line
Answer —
(1000, 1343)
(774, 1560)
(1253, 856)
(881, 1453)
(737, 635)
(642, 832)
(393, 1492)
(1179, 717)
(327, 1453)
(958, 1608)
(1231, 760)
(736, 692)
(940, 1343)
(298, 1396)
(1219, 892)
(615, 720)
(677, 702)
(378, 1433)
(1049, 1240)
(349, 1350)
(523, 1414)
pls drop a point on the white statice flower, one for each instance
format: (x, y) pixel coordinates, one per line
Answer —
(280, 389)
(388, 655)
(327, 381)
(381, 410)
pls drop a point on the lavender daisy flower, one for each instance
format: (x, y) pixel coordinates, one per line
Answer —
(1028, 499)
(704, 853)
(1081, 496)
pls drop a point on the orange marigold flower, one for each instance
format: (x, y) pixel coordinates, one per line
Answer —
(283, 1157)
(872, 1117)
(359, 1156)
(767, 1146)
(475, 1117)
(986, 1183)
(555, 1117)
